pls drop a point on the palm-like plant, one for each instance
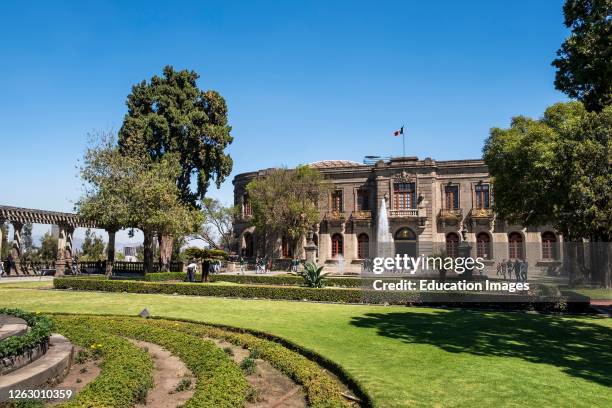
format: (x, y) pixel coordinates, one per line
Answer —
(313, 275)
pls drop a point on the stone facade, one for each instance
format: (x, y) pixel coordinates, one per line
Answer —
(429, 204)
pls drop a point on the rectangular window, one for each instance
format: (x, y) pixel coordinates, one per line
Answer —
(363, 200)
(337, 200)
(483, 197)
(246, 206)
(451, 197)
(404, 196)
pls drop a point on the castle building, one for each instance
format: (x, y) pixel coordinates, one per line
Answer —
(431, 206)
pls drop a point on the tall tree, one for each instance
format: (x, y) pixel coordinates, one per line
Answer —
(27, 244)
(217, 229)
(170, 114)
(584, 68)
(285, 203)
(556, 170)
(135, 191)
(93, 247)
(48, 247)
(107, 178)
(156, 207)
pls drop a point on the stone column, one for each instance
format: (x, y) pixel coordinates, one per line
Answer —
(16, 247)
(68, 247)
(60, 262)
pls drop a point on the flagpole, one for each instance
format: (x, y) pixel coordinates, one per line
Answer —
(403, 142)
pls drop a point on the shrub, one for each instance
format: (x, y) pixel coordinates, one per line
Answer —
(219, 383)
(126, 370)
(313, 275)
(248, 366)
(40, 328)
(321, 390)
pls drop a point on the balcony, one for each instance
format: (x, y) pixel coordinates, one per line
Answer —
(482, 216)
(404, 213)
(450, 216)
(362, 215)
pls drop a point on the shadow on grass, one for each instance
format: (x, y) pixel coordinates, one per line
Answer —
(581, 348)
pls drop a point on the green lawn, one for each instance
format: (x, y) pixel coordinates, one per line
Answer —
(403, 356)
(595, 294)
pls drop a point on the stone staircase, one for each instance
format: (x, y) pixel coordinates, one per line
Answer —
(38, 368)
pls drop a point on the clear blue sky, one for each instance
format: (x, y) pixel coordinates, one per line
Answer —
(304, 80)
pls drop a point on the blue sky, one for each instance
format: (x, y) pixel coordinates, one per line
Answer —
(304, 80)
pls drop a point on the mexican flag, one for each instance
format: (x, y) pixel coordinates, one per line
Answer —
(399, 131)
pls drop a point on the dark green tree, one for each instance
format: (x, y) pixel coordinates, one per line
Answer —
(285, 203)
(48, 247)
(171, 114)
(584, 61)
(27, 244)
(93, 247)
(556, 170)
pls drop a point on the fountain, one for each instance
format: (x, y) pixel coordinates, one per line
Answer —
(385, 247)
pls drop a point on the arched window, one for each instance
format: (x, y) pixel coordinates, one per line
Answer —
(363, 246)
(549, 241)
(452, 243)
(286, 248)
(405, 234)
(515, 246)
(337, 245)
(483, 245)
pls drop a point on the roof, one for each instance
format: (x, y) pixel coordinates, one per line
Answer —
(326, 164)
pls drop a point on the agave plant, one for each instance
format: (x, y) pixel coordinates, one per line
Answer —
(313, 275)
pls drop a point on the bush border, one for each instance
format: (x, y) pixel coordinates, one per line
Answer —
(40, 328)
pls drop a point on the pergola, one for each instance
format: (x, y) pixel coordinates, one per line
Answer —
(66, 222)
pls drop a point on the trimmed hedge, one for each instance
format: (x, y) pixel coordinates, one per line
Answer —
(40, 328)
(321, 390)
(338, 295)
(289, 280)
(126, 370)
(199, 289)
(220, 382)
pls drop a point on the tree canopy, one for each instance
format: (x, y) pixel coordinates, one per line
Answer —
(217, 228)
(93, 247)
(170, 114)
(584, 68)
(285, 202)
(137, 192)
(555, 170)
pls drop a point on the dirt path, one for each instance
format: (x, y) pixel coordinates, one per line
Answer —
(169, 372)
(80, 374)
(273, 389)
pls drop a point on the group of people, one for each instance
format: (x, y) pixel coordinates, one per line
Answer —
(263, 265)
(518, 267)
(192, 269)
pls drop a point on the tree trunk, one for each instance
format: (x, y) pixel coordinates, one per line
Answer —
(571, 255)
(205, 270)
(110, 253)
(607, 262)
(148, 252)
(165, 251)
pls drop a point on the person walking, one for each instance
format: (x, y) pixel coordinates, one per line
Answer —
(191, 271)
(241, 265)
(10, 264)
